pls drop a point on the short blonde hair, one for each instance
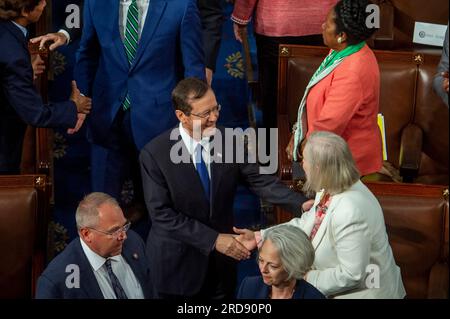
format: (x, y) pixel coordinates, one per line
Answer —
(332, 166)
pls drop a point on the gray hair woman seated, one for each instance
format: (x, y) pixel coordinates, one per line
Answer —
(285, 256)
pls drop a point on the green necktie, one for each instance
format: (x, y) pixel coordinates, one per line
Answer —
(131, 40)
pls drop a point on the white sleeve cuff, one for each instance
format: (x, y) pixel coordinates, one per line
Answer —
(66, 34)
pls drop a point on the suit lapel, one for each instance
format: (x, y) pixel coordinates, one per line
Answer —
(187, 169)
(132, 257)
(324, 225)
(88, 282)
(154, 13)
(113, 19)
(217, 165)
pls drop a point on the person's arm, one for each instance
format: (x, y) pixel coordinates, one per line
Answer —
(180, 226)
(88, 55)
(211, 13)
(58, 39)
(352, 244)
(241, 16)
(22, 96)
(270, 188)
(243, 11)
(191, 45)
(345, 96)
(440, 81)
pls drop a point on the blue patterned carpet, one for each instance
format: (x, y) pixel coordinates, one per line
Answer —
(72, 153)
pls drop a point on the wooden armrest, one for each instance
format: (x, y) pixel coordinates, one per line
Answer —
(438, 282)
(410, 152)
(284, 134)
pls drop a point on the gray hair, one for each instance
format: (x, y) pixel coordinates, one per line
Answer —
(87, 211)
(294, 247)
(332, 166)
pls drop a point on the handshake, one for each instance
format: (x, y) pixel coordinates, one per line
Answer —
(83, 104)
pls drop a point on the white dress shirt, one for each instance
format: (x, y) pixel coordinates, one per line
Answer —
(120, 268)
(191, 146)
(123, 12)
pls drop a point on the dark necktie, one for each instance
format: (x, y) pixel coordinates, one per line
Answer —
(131, 40)
(117, 287)
(202, 170)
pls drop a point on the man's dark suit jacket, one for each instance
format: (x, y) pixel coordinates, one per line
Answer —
(52, 283)
(255, 288)
(20, 104)
(184, 225)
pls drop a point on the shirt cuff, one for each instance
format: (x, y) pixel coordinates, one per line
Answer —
(240, 21)
(66, 34)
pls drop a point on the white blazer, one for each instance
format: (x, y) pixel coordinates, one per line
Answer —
(352, 248)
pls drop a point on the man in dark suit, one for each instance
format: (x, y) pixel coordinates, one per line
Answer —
(106, 261)
(191, 201)
(20, 104)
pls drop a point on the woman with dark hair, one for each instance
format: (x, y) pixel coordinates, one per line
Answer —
(343, 94)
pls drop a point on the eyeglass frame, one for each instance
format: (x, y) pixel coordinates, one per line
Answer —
(116, 233)
(215, 109)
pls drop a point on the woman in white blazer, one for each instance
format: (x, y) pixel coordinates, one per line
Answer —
(345, 224)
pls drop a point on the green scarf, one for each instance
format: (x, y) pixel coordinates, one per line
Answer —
(331, 61)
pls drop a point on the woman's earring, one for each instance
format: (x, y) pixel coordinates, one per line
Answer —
(339, 40)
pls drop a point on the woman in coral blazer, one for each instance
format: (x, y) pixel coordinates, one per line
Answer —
(276, 22)
(343, 95)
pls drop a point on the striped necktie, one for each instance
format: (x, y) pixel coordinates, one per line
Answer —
(131, 41)
(117, 287)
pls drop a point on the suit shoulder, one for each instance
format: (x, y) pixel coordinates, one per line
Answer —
(309, 291)
(70, 255)
(161, 140)
(251, 282)
(133, 239)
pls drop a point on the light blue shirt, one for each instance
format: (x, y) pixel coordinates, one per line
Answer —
(120, 268)
(22, 28)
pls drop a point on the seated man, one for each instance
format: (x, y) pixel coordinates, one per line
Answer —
(105, 262)
(20, 104)
(190, 198)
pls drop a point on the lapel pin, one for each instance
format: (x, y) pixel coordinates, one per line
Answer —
(135, 256)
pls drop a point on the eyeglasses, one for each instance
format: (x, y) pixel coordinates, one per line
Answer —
(115, 233)
(216, 109)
